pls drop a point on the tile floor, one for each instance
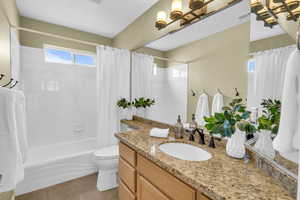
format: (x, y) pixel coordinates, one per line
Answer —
(79, 189)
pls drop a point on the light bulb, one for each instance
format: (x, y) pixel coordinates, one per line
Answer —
(162, 16)
(161, 20)
(176, 5)
(176, 11)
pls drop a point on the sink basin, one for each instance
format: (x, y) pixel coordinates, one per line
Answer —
(185, 151)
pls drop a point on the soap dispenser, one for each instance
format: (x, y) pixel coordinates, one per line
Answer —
(179, 131)
(193, 128)
(193, 124)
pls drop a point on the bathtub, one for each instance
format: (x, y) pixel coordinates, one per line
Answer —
(57, 163)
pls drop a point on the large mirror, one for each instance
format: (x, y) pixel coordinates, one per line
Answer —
(270, 50)
(5, 50)
(208, 57)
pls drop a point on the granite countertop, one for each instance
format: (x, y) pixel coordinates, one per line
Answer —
(219, 178)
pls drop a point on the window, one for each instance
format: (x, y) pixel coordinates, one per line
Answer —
(61, 55)
(84, 60)
(251, 66)
(58, 56)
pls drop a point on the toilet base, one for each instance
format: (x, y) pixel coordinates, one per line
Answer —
(107, 180)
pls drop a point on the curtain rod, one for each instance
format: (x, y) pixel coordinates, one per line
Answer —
(55, 36)
(168, 59)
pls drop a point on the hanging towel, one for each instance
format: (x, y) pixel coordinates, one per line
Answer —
(287, 141)
(161, 133)
(202, 109)
(217, 104)
(11, 167)
(21, 124)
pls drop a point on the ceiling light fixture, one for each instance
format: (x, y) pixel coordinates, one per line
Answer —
(198, 11)
(176, 12)
(268, 10)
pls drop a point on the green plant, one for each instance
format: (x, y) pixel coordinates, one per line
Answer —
(143, 103)
(234, 115)
(270, 115)
(123, 103)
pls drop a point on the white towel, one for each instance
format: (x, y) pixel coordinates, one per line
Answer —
(11, 167)
(287, 141)
(202, 109)
(161, 133)
(217, 104)
(21, 124)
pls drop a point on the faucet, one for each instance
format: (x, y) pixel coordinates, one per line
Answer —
(201, 135)
(192, 135)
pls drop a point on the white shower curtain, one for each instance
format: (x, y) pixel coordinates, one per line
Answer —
(113, 83)
(267, 79)
(142, 70)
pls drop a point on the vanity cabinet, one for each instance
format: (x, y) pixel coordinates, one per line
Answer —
(147, 191)
(141, 179)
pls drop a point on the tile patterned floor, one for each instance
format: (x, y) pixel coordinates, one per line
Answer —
(80, 189)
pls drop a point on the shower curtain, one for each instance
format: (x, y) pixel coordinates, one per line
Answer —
(267, 79)
(142, 70)
(113, 83)
(141, 83)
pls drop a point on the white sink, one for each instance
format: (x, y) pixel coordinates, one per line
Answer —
(185, 151)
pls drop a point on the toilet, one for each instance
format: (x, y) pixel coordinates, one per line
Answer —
(107, 160)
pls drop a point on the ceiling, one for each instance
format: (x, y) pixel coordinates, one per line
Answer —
(258, 31)
(103, 17)
(211, 25)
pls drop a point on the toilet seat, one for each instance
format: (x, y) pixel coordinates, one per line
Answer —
(111, 152)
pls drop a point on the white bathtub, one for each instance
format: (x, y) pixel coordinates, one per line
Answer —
(58, 163)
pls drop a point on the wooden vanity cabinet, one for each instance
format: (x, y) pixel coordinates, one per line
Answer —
(141, 179)
(147, 191)
(127, 173)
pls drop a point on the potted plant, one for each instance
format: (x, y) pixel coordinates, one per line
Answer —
(141, 104)
(268, 124)
(125, 109)
(233, 124)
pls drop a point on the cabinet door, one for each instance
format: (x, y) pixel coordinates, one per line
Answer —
(147, 191)
(200, 196)
(124, 192)
(127, 174)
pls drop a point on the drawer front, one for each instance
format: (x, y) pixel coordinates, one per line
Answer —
(147, 191)
(167, 183)
(127, 154)
(124, 192)
(127, 174)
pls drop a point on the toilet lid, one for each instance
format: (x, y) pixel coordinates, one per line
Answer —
(107, 152)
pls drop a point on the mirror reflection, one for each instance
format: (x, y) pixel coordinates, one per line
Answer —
(268, 68)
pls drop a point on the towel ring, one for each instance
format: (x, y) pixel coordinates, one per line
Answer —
(14, 84)
(193, 93)
(8, 83)
(1, 76)
(237, 94)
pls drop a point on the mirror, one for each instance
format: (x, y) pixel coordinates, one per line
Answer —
(270, 49)
(5, 49)
(220, 54)
(198, 61)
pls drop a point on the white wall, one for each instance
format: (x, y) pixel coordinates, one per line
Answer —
(61, 99)
(169, 88)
